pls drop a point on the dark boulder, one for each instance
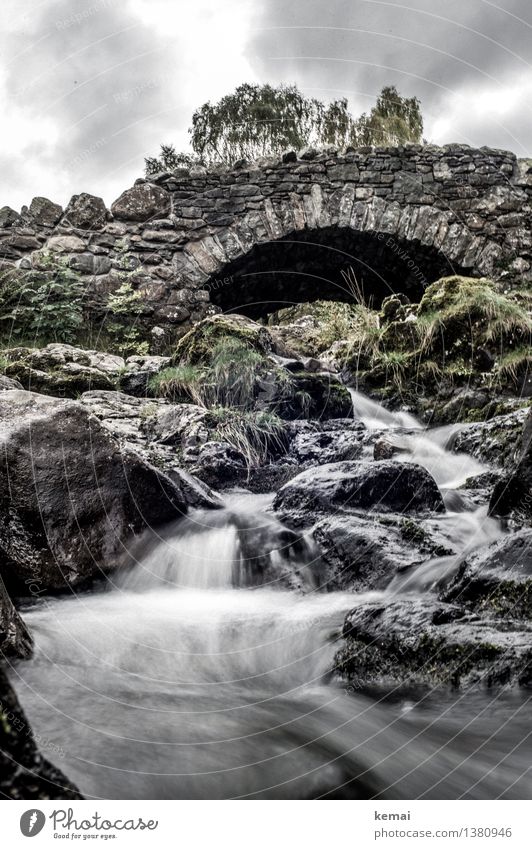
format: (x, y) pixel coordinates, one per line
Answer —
(497, 579)
(70, 497)
(24, 772)
(361, 554)
(382, 486)
(316, 396)
(219, 465)
(418, 641)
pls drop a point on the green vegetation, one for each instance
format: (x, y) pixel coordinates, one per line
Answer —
(41, 305)
(227, 382)
(264, 120)
(463, 328)
(123, 332)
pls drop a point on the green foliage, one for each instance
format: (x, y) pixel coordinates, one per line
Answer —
(264, 120)
(41, 306)
(168, 160)
(178, 383)
(393, 120)
(125, 307)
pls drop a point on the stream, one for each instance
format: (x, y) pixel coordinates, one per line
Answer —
(195, 675)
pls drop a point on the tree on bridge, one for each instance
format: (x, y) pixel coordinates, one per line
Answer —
(257, 121)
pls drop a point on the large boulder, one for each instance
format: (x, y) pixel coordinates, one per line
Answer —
(497, 579)
(70, 497)
(360, 554)
(382, 486)
(419, 641)
(493, 441)
(24, 773)
(141, 202)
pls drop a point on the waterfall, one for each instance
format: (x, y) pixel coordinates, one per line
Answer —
(206, 669)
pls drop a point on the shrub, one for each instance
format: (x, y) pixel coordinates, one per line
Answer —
(41, 306)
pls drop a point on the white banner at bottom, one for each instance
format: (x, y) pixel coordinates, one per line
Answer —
(266, 825)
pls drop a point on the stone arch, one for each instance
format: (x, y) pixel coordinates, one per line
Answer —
(427, 240)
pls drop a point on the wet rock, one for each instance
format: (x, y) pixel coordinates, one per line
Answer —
(141, 202)
(418, 641)
(383, 486)
(86, 212)
(15, 640)
(219, 465)
(24, 772)
(325, 442)
(362, 554)
(497, 579)
(512, 496)
(9, 383)
(44, 212)
(491, 441)
(71, 497)
(384, 450)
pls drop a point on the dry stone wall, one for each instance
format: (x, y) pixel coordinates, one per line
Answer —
(172, 234)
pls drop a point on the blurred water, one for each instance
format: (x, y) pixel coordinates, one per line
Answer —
(201, 674)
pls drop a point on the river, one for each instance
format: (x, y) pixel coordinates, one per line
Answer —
(195, 674)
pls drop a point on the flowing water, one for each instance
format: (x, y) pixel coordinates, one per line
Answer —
(204, 670)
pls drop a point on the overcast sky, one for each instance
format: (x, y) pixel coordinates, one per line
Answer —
(90, 87)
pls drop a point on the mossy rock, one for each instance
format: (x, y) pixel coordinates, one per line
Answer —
(195, 347)
(315, 396)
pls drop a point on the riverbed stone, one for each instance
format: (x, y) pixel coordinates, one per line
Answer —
(71, 496)
(380, 486)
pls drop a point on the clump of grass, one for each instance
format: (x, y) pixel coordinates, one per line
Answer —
(179, 382)
(256, 435)
(514, 364)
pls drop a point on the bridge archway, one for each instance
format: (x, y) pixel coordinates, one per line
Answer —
(295, 251)
(310, 265)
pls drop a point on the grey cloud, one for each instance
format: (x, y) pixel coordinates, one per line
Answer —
(107, 83)
(365, 45)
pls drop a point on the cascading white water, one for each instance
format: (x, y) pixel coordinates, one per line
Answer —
(201, 673)
(416, 444)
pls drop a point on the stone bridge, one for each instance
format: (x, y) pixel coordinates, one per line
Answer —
(261, 234)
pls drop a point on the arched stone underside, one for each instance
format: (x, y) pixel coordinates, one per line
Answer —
(310, 264)
(400, 216)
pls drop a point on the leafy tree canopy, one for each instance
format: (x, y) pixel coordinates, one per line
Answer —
(262, 120)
